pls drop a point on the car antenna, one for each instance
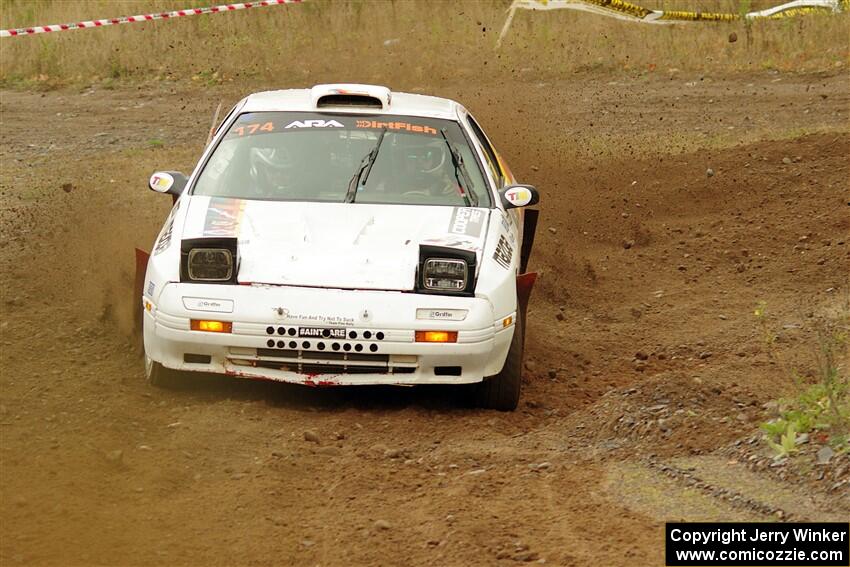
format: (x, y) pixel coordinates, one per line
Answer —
(212, 126)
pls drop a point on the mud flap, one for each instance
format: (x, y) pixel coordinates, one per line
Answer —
(138, 289)
(524, 283)
(529, 227)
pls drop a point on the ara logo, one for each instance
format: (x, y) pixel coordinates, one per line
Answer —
(314, 124)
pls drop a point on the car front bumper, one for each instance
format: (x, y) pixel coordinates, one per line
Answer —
(378, 347)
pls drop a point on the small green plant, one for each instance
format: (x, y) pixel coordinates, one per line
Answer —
(787, 442)
(207, 77)
(744, 7)
(821, 406)
(155, 143)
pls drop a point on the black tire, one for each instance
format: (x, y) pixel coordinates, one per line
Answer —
(501, 392)
(161, 377)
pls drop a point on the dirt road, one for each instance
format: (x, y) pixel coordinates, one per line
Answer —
(646, 376)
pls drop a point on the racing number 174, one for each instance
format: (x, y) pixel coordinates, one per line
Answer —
(253, 128)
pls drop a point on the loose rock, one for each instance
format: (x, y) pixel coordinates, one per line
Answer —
(825, 455)
(116, 456)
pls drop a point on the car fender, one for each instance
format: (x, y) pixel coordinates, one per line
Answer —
(499, 264)
(163, 264)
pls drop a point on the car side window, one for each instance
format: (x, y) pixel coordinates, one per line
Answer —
(492, 161)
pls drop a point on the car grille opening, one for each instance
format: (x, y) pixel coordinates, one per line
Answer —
(313, 363)
(447, 371)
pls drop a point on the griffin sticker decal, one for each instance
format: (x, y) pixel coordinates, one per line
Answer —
(208, 304)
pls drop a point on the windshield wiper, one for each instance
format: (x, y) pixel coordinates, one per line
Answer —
(362, 174)
(469, 196)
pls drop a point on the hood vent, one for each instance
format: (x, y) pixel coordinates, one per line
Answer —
(350, 95)
(357, 100)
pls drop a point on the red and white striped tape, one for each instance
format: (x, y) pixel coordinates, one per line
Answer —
(144, 17)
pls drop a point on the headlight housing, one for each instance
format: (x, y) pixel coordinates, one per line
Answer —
(210, 264)
(444, 274)
(446, 271)
(208, 260)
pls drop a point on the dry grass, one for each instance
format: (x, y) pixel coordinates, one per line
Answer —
(427, 41)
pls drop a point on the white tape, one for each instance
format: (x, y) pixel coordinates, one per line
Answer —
(652, 16)
(833, 4)
(144, 17)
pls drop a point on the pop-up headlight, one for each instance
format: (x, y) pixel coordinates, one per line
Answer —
(445, 274)
(208, 260)
(445, 270)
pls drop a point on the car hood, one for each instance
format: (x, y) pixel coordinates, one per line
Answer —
(335, 245)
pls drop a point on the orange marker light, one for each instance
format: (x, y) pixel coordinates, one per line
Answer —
(212, 326)
(436, 336)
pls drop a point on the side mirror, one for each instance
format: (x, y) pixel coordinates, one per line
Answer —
(171, 182)
(515, 196)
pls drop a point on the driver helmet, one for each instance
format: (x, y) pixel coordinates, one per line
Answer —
(427, 158)
(272, 169)
(425, 163)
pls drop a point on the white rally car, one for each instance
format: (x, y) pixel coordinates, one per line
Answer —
(343, 235)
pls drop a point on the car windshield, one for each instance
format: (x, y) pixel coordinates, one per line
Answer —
(296, 156)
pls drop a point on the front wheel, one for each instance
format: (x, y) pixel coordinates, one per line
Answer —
(161, 377)
(501, 392)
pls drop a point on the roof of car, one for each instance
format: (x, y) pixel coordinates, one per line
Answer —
(303, 100)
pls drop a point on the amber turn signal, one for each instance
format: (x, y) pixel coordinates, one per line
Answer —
(436, 336)
(211, 326)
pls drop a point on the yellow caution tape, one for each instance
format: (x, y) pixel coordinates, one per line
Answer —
(802, 11)
(698, 16)
(622, 7)
(679, 15)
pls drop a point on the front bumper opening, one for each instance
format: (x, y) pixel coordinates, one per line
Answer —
(310, 362)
